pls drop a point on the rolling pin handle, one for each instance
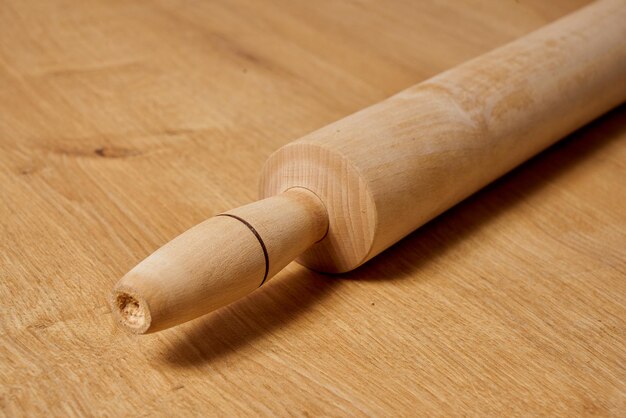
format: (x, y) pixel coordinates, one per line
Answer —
(218, 261)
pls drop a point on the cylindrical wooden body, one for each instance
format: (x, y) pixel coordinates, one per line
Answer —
(386, 170)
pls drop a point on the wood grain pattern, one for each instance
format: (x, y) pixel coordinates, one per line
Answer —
(123, 124)
(386, 170)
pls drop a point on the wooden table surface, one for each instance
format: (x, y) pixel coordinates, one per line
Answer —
(124, 123)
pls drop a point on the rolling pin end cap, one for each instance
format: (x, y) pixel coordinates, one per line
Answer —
(130, 310)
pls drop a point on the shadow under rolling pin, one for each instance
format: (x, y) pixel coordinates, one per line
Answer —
(339, 196)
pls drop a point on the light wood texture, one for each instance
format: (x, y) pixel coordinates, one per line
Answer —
(218, 261)
(123, 124)
(361, 184)
(390, 168)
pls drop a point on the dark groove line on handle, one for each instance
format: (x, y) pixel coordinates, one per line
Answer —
(258, 237)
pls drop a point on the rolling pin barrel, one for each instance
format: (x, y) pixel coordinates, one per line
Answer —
(388, 169)
(343, 194)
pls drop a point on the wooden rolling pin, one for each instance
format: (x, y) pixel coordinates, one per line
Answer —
(339, 196)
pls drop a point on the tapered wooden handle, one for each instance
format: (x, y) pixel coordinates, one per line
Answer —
(218, 261)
